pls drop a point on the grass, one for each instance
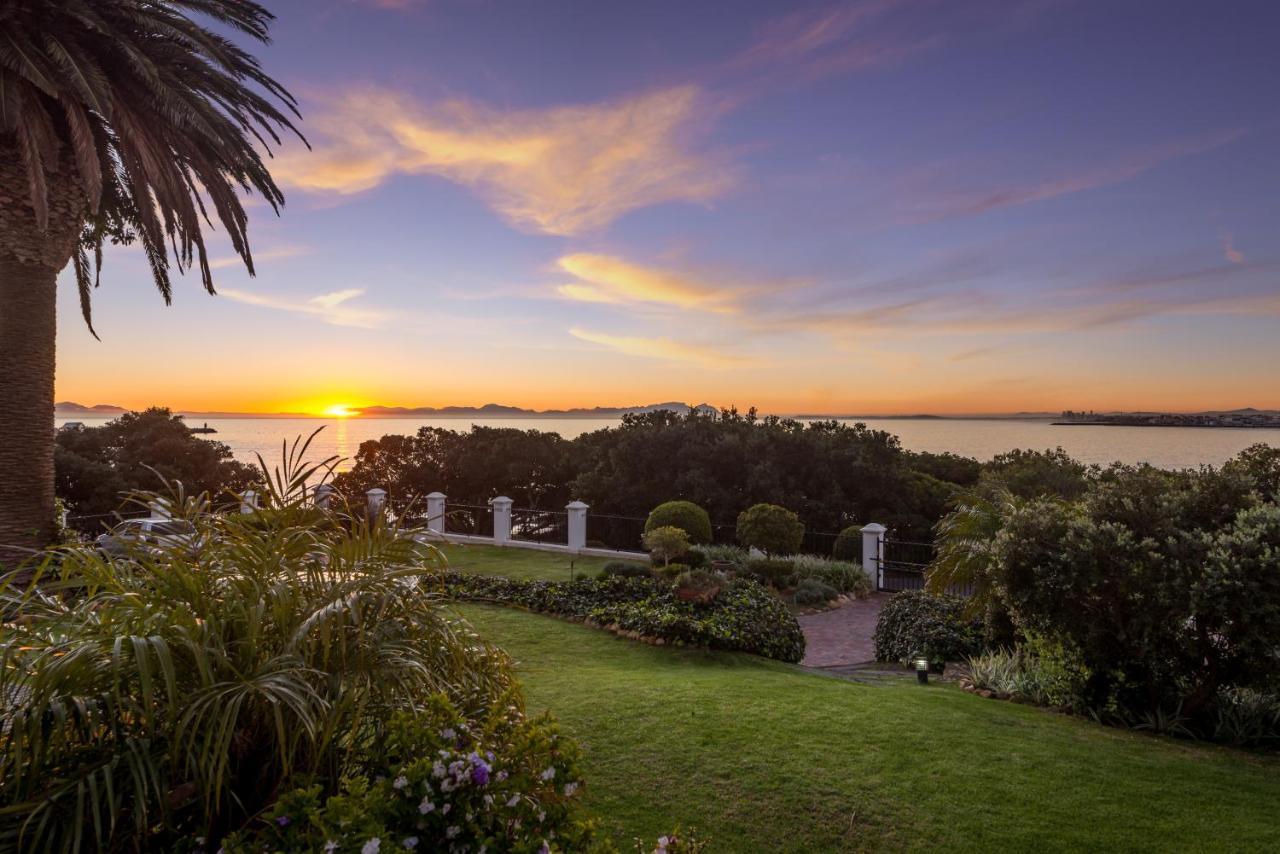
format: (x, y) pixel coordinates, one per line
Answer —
(524, 564)
(760, 756)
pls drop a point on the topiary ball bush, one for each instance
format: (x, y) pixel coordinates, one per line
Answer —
(918, 622)
(848, 544)
(685, 515)
(623, 569)
(772, 529)
(695, 559)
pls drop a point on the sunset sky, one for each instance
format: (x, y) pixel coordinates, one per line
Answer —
(882, 206)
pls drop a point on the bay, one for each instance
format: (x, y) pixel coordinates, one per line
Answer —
(1167, 447)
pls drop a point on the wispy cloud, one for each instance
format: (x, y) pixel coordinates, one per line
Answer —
(659, 348)
(333, 308)
(945, 190)
(1230, 252)
(277, 254)
(608, 279)
(563, 170)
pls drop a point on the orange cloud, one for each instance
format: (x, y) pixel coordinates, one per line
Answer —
(658, 348)
(563, 170)
(607, 279)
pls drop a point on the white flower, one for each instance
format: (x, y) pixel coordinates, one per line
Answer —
(438, 769)
(372, 846)
(426, 806)
(410, 842)
(569, 789)
(445, 809)
(331, 846)
(452, 832)
(549, 774)
(515, 799)
(448, 734)
(400, 782)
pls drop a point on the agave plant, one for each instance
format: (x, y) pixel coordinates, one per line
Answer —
(174, 688)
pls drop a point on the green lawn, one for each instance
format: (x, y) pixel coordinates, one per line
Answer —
(760, 756)
(520, 563)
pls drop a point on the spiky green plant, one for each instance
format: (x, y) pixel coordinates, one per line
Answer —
(175, 687)
(966, 538)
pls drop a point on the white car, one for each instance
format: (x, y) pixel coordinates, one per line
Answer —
(156, 530)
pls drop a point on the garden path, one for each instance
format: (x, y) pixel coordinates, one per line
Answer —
(842, 636)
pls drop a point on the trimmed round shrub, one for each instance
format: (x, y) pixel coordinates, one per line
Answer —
(667, 543)
(672, 571)
(695, 559)
(772, 529)
(811, 592)
(916, 622)
(774, 572)
(685, 515)
(848, 544)
(624, 569)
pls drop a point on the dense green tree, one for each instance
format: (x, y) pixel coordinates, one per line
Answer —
(1028, 474)
(96, 467)
(532, 467)
(1167, 584)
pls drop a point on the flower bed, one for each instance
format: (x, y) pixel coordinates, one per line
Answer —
(744, 616)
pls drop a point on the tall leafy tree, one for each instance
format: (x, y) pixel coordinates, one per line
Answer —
(121, 121)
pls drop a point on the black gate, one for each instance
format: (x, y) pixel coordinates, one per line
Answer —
(902, 565)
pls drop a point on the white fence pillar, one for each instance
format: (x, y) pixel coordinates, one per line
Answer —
(577, 525)
(377, 499)
(435, 512)
(873, 551)
(249, 501)
(501, 519)
(323, 496)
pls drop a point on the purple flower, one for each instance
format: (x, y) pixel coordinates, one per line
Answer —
(480, 774)
(284, 821)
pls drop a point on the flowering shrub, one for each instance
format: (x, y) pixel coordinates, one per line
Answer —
(744, 616)
(438, 782)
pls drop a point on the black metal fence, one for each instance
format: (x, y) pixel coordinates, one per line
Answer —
(620, 533)
(473, 519)
(540, 526)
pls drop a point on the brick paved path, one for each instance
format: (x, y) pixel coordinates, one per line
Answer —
(842, 635)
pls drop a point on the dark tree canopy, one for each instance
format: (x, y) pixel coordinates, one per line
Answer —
(96, 466)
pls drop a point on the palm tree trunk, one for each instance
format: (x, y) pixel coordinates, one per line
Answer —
(28, 311)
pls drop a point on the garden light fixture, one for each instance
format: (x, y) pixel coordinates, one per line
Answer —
(922, 670)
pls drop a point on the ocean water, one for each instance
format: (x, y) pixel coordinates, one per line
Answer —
(1168, 447)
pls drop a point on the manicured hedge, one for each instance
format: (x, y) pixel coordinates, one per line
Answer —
(744, 617)
(919, 622)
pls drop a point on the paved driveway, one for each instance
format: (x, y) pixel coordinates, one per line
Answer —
(842, 636)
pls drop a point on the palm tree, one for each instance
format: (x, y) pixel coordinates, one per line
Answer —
(966, 539)
(120, 121)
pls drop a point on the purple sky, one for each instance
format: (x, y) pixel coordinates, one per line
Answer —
(892, 205)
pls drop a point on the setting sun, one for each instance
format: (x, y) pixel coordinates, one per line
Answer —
(339, 410)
